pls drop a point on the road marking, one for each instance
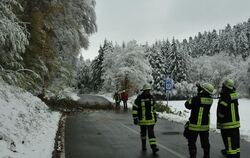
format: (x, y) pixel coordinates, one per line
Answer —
(160, 145)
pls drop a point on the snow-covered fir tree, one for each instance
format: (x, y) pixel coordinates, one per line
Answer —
(242, 45)
(213, 42)
(157, 59)
(177, 64)
(98, 65)
(84, 77)
(227, 40)
(96, 68)
(13, 41)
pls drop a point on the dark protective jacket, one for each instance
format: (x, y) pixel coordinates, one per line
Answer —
(200, 112)
(117, 97)
(144, 109)
(228, 111)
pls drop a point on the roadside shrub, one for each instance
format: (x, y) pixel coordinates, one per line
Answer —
(160, 107)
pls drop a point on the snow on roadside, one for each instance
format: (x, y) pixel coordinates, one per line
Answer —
(27, 126)
(180, 114)
(69, 93)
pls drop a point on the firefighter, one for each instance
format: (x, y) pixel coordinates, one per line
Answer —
(228, 120)
(117, 99)
(144, 115)
(198, 123)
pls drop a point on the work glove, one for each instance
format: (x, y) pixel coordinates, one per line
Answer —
(197, 84)
(199, 88)
(186, 132)
(136, 121)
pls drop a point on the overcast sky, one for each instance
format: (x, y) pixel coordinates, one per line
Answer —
(150, 20)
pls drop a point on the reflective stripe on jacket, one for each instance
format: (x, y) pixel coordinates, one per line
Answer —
(228, 111)
(144, 109)
(200, 109)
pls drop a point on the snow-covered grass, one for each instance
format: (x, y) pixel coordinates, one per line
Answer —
(181, 114)
(27, 126)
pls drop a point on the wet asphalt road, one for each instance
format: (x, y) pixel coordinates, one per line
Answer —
(106, 134)
(111, 134)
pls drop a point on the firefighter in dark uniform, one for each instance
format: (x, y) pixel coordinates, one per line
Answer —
(144, 115)
(198, 123)
(228, 120)
(117, 99)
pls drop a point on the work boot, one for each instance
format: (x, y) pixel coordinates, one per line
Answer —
(143, 145)
(155, 149)
(206, 153)
(224, 152)
(238, 155)
(206, 156)
(192, 153)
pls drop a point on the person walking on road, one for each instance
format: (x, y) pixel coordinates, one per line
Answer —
(124, 97)
(144, 115)
(228, 120)
(198, 123)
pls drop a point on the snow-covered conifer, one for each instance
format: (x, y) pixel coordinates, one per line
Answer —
(13, 41)
(84, 81)
(98, 65)
(177, 63)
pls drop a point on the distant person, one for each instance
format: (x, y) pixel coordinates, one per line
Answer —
(144, 115)
(228, 120)
(124, 97)
(198, 123)
(117, 99)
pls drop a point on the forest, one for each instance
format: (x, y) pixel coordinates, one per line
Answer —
(211, 56)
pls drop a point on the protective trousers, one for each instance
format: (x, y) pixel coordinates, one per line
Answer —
(117, 104)
(231, 139)
(151, 136)
(125, 105)
(192, 138)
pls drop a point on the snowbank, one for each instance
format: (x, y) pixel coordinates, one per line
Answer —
(27, 127)
(68, 93)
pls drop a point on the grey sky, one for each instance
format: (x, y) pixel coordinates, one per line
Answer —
(150, 20)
